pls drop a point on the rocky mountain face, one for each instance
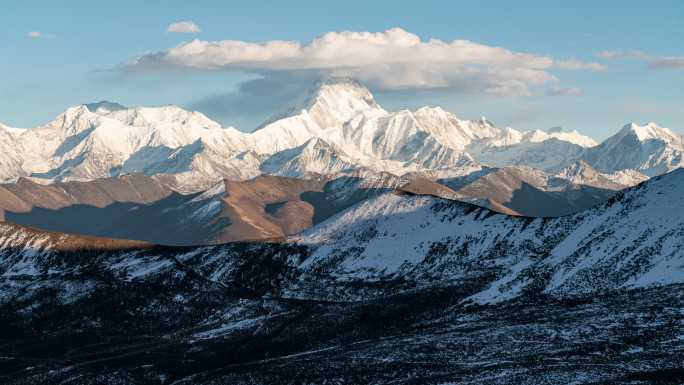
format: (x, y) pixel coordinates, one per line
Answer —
(273, 207)
(401, 286)
(127, 207)
(339, 128)
(157, 174)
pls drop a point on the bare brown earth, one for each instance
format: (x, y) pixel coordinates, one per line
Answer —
(24, 195)
(500, 208)
(267, 207)
(264, 208)
(145, 208)
(272, 207)
(523, 191)
(424, 186)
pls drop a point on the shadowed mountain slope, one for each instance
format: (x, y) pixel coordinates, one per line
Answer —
(23, 196)
(266, 207)
(530, 192)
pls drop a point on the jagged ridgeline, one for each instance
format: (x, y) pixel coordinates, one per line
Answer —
(339, 128)
(170, 176)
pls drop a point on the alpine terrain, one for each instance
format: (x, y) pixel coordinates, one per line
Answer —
(278, 193)
(337, 243)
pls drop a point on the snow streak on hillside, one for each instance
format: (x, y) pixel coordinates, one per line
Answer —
(634, 240)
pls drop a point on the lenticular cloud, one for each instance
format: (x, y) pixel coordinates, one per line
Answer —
(393, 59)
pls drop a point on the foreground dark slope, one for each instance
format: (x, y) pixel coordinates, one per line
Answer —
(425, 290)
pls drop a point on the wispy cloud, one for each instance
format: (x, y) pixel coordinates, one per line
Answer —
(183, 27)
(40, 35)
(667, 62)
(390, 60)
(574, 64)
(561, 91)
(614, 55)
(654, 62)
(256, 100)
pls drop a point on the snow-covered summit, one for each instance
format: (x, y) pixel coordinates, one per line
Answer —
(330, 103)
(574, 137)
(335, 101)
(649, 149)
(105, 139)
(450, 130)
(649, 131)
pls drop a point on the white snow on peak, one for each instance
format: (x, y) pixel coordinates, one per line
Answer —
(106, 139)
(650, 131)
(336, 101)
(574, 137)
(451, 131)
(648, 149)
(581, 173)
(11, 130)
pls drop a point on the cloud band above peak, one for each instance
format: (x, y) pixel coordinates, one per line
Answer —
(393, 59)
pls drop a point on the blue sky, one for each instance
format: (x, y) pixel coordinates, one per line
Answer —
(84, 47)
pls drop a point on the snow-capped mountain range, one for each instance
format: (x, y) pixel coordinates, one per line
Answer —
(339, 128)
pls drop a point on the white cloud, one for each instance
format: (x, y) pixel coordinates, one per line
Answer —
(613, 55)
(655, 62)
(608, 54)
(574, 64)
(183, 27)
(560, 91)
(393, 59)
(40, 35)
